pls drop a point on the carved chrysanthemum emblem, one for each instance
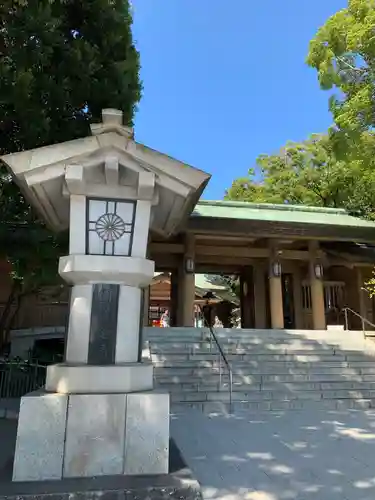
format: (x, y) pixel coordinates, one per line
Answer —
(110, 227)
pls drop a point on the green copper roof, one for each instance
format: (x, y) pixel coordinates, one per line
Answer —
(201, 281)
(278, 213)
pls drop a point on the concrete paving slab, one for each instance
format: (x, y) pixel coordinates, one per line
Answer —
(303, 455)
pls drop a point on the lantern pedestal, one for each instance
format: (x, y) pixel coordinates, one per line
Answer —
(98, 414)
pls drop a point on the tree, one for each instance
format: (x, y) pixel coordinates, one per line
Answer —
(343, 53)
(309, 173)
(62, 62)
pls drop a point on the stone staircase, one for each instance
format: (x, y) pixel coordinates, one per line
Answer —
(272, 369)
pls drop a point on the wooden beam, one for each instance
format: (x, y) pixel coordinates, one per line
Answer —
(233, 251)
(348, 264)
(216, 269)
(165, 262)
(224, 261)
(224, 238)
(298, 254)
(166, 248)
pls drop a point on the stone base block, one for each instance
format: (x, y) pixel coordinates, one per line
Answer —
(178, 484)
(40, 437)
(85, 435)
(83, 379)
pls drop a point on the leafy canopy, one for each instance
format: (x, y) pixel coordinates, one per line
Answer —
(62, 61)
(309, 173)
(343, 53)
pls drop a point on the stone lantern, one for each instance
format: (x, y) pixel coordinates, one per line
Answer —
(98, 413)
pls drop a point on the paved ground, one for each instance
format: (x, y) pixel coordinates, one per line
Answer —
(325, 455)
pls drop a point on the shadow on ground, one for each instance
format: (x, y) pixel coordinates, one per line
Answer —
(8, 434)
(325, 455)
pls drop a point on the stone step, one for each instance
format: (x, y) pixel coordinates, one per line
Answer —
(262, 335)
(355, 351)
(253, 395)
(262, 348)
(319, 386)
(245, 343)
(297, 404)
(281, 369)
(240, 364)
(300, 355)
(253, 360)
(214, 385)
(265, 341)
(282, 350)
(246, 360)
(264, 378)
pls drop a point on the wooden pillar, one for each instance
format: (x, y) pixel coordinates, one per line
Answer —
(276, 290)
(317, 289)
(260, 310)
(297, 297)
(247, 297)
(173, 304)
(187, 282)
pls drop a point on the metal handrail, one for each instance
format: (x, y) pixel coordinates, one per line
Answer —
(362, 318)
(223, 357)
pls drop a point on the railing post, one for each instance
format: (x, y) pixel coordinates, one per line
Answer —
(222, 358)
(346, 319)
(220, 371)
(230, 390)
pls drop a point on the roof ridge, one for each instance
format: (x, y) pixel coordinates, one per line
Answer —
(272, 206)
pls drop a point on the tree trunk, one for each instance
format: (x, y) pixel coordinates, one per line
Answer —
(11, 319)
(5, 315)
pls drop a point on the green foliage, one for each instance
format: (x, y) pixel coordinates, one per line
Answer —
(343, 53)
(370, 286)
(309, 173)
(61, 63)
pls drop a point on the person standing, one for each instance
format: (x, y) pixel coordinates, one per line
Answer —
(164, 320)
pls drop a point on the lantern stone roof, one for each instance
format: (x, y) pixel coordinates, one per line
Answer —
(111, 163)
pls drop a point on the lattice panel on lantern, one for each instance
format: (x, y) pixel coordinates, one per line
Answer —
(110, 227)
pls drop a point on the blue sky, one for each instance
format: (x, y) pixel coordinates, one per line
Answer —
(227, 81)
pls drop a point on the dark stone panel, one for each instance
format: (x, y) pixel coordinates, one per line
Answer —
(102, 346)
(179, 484)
